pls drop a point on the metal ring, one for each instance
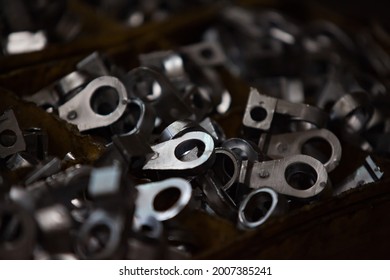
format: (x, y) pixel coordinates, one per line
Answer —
(244, 221)
(148, 196)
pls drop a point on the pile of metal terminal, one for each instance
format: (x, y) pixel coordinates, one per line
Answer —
(166, 157)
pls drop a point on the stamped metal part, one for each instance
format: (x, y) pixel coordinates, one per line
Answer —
(100, 103)
(55, 223)
(43, 170)
(163, 200)
(218, 180)
(179, 128)
(24, 42)
(205, 53)
(258, 206)
(100, 237)
(11, 137)
(243, 149)
(17, 232)
(260, 110)
(369, 172)
(36, 142)
(105, 181)
(353, 111)
(190, 154)
(213, 128)
(153, 87)
(318, 143)
(137, 118)
(62, 90)
(21, 160)
(148, 242)
(134, 149)
(71, 82)
(298, 176)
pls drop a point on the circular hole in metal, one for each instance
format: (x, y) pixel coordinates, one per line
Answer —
(10, 228)
(258, 114)
(104, 100)
(129, 120)
(146, 229)
(318, 148)
(258, 206)
(300, 176)
(97, 239)
(190, 150)
(165, 199)
(207, 53)
(8, 138)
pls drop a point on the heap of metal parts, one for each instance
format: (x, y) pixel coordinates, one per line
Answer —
(313, 86)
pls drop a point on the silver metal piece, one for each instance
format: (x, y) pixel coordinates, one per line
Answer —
(105, 181)
(72, 81)
(162, 200)
(36, 142)
(69, 157)
(79, 109)
(55, 218)
(226, 102)
(18, 232)
(192, 152)
(258, 206)
(24, 41)
(222, 176)
(174, 66)
(179, 128)
(21, 160)
(369, 172)
(260, 110)
(148, 242)
(213, 128)
(100, 237)
(297, 176)
(295, 143)
(243, 149)
(94, 65)
(43, 170)
(11, 137)
(87, 69)
(205, 53)
(137, 118)
(153, 87)
(353, 111)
